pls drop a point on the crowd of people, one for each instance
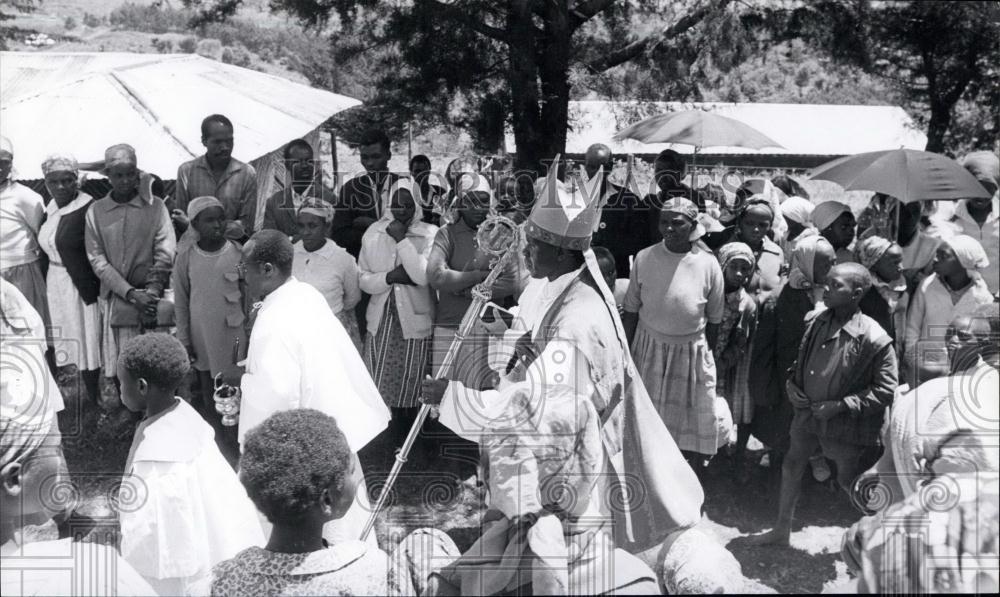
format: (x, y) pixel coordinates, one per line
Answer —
(657, 330)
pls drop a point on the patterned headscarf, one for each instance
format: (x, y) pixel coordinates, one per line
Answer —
(800, 275)
(60, 163)
(970, 253)
(871, 249)
(317, 207)
(686, 208)
(732, 251)
(122, 153)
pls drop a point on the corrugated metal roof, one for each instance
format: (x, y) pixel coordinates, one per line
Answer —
(81, 103)
(803, 129)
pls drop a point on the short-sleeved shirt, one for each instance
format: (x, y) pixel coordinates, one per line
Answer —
(458, 242)
(676, 294)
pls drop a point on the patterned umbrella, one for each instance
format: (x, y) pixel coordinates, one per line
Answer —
(906, 174)
(698, 128)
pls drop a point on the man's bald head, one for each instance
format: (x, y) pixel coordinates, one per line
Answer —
(598, 155)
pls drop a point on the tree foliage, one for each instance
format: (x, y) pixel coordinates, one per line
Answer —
(17, 6)
(482, 64)
(942, 56)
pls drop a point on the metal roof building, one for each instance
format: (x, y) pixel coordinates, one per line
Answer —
(810, 133)
(81, 103)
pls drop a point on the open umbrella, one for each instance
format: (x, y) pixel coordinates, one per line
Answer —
(906, 174)
(698, 128)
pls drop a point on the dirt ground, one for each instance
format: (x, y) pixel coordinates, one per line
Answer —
(448, 498)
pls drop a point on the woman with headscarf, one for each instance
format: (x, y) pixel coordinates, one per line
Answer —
(797, 212)
(955, 288)
(209, 305)
(21, 213)
(836, 223)
(130, 244)
(732, 348)
(393, 266)
(455, 266)
(325, 265)
(71, 283)
(757, 222)
(673, 308)
(886, 301)
(980, 218)
(781, 325)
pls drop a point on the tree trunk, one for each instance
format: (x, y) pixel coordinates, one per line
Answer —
(523, 80)
(554, 74)
(938, 125)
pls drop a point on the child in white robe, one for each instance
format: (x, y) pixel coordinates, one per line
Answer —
(182, 508)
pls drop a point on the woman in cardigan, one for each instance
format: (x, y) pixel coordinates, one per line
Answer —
(955, 288)
(393, 266)
(72, 285)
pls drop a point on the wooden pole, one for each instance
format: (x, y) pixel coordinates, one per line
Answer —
(333, 159)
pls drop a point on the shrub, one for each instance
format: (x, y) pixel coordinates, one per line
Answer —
(149, 19)
(91, 20)
(210, 48)
(237, 56)
(188, 45)
(69, 23)
(163, 46)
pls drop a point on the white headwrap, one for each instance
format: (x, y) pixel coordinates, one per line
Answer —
(406, 184)
(798, 209)
(970, 253)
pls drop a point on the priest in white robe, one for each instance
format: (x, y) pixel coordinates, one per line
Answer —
(300, 356)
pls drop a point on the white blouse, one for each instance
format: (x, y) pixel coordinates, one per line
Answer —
(332, 271)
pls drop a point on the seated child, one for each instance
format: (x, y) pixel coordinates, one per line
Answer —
(193, 512)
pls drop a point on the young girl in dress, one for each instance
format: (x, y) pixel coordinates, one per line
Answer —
(673, 308)
(209, 307)
(732, 348)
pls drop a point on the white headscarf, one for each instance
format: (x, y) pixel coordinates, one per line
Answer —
(970, 254)
(798, 209)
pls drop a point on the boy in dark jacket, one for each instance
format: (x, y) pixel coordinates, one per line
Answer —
(844, 378)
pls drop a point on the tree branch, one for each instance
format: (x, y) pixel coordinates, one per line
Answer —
(586, 10)
(637, 47)
(467, 18)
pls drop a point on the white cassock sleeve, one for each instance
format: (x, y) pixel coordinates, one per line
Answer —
(271, 383)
